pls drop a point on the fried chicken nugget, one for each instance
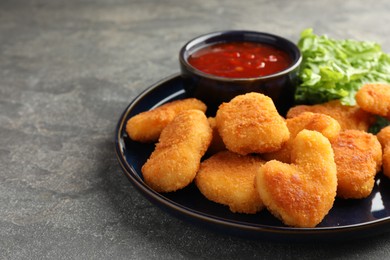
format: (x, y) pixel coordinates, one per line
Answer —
(176, 159)
(384, 138)
(302, 193)
(147, 126)
(349, 117)
(374, 98)
(322, 123)
(229, 179)
(250, 123)
(386, 161)
(358, 156)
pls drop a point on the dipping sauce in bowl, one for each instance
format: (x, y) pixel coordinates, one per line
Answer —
(240, 60)
(218, 66)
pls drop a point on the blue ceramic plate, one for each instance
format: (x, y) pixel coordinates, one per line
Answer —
(348, 219)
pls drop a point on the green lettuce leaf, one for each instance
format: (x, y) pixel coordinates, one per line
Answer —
(380, 123)
(336, 69)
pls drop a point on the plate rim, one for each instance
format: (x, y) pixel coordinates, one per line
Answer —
(174, 207)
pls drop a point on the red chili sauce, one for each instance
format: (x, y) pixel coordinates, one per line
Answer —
(240, 60)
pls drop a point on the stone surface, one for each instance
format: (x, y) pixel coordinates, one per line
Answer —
(67, 71)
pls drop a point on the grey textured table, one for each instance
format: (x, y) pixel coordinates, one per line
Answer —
(67, 71)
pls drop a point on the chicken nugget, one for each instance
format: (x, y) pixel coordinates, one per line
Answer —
(322, 123)
(302, 193)
(358, 156)
(229, 179)
(250, 123)
(386, 161)
(147, 126)
(349, 117)
(374, 98)
(384, 138)
(176, 159)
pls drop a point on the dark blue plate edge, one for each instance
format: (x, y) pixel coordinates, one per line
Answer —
(248, 230)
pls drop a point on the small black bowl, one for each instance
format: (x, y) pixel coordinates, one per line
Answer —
(214, 90)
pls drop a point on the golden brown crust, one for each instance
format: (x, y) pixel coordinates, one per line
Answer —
(374, 98)
(386, 161)
(384, 136)
(176, 158)
(322, 123)
(302, 193)
(228, 178)
(147, 126)
(358, 156)
(349, 117)
(250, 123)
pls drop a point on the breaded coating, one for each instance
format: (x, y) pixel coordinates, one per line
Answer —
(229, 179)
(216, 144)
(322, 123)
(384, 138)
(302, 193)
(374, 98)
(147, 126)
(176, 159)
(250, 123)
(349, 117)
(358, 156)
(386, 161)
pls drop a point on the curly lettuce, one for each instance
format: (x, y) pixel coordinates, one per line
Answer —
(336, 69)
